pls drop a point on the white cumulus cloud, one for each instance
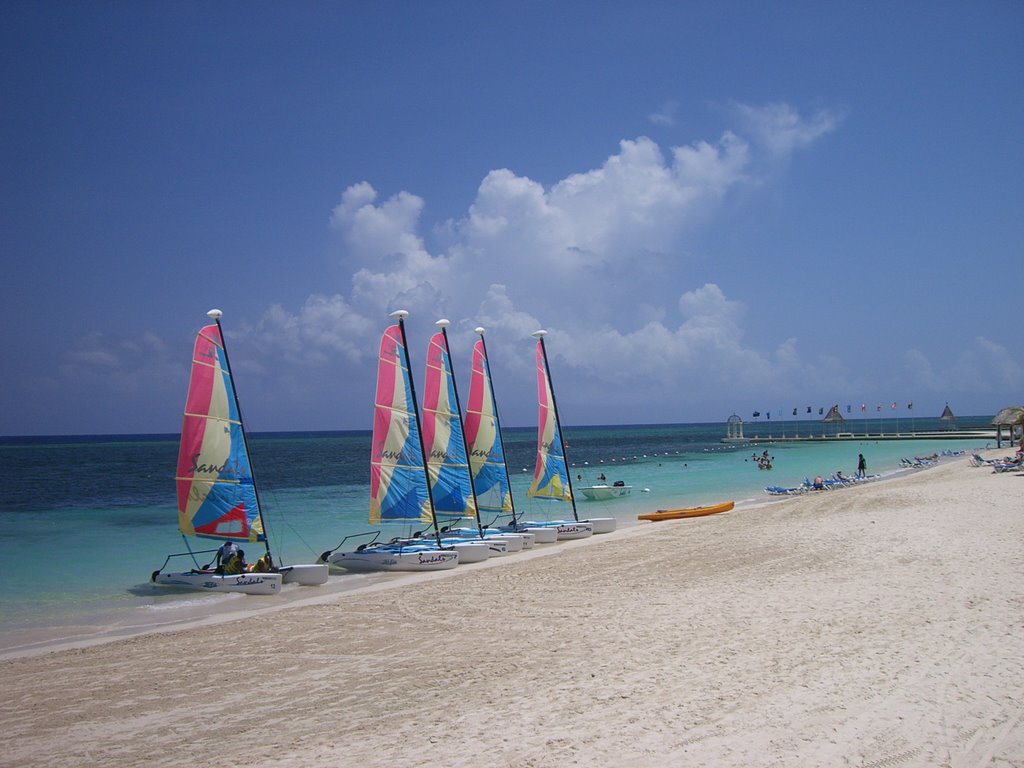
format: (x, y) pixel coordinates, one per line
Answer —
(600, 258)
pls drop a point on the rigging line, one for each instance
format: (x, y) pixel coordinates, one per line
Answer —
(281, 521)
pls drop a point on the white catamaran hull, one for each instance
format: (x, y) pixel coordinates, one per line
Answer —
(247, 583)
(602, 524)
(512, 542)
(498, 547)
(528, 538)
(395, 560)
(544, 535)
(470, 551)
(307, 574)
(565, 530)
(501, 542)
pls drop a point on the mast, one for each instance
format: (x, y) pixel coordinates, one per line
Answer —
(539, 336)
(497, 424)
(443, 325)
(215, 315)
(400, 316)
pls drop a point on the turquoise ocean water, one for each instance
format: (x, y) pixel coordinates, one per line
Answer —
(85, 520)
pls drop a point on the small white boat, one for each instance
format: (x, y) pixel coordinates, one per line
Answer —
(605, 492)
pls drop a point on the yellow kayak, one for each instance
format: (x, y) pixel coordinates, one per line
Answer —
(679, 514)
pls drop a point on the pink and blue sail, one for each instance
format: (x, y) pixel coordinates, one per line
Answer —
(550, 477)
(398, 481)
(483, 433)
(443, 437)
(215, 487)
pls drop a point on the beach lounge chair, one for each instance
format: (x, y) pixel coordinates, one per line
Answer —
(1009, 466)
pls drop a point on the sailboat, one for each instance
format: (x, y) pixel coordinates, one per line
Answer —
(551, 476)
(487, 450)
(454, 490)
(217, 493)
(399, 490)
(447, 462)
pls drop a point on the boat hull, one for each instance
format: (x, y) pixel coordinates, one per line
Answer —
(501, 542)
(306, 575)
(602, 524)
(471, 551)
(679, 514)
(381, 559)
(542, 535)
(246, 583)
(565, 530)
(528, 539)
(513, 541)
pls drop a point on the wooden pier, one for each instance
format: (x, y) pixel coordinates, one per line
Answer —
(969, 434)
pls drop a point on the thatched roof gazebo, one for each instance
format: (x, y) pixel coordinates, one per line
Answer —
(1012, 417)
(948, 417)
(834, 417)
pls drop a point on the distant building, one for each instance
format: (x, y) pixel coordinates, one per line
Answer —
(734, 430)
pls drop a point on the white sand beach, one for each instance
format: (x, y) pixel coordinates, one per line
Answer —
(880, 625)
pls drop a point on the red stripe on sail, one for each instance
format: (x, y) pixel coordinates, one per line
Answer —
(233, 515)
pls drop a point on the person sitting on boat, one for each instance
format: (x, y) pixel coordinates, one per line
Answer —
(601, 477)
(224, 554)
(264, 565)
(236, 564)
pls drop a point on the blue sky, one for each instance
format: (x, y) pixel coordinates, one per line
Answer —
(711, 207)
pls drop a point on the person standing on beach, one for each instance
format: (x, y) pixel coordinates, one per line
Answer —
(862, 465)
